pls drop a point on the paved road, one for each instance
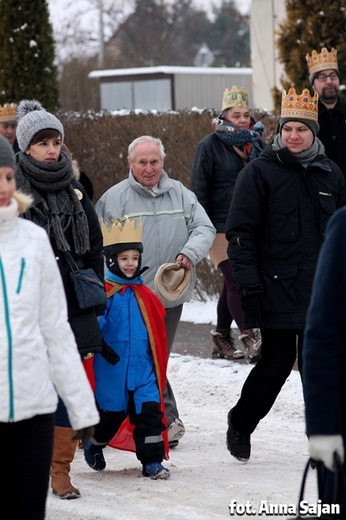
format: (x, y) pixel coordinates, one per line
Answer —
(195, 340)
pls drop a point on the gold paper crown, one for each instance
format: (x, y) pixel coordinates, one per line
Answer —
(323, 61)
(119, 233)
(303, 106)
(235, 98)
(8, 113)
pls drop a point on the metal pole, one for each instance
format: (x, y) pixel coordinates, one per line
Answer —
(101, 57)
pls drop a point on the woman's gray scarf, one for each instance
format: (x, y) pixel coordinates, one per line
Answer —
(56, 206)
(308, 156)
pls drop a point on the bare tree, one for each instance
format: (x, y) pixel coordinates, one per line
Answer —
(75, 38)
(141, 33)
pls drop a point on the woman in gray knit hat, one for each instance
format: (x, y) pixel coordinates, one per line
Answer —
(38, 353)
(62, 208)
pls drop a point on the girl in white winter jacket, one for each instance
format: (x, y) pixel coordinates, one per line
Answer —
(38, 354)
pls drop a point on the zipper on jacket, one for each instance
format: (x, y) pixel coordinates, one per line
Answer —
(9, 336)
(22, 267)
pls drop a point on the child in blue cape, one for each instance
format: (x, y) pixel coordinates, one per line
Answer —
(129, 393)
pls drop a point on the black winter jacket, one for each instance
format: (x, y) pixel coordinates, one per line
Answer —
(333, 132)
(84, 321)
(215, 169)
(324, 352)
(275, 228)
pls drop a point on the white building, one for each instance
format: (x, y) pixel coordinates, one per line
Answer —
(265, 17)
(169, 88)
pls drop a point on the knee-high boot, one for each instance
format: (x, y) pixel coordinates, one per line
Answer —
(63, 454)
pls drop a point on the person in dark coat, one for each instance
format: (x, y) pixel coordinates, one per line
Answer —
(324, 78)
(63, 209)
(324, 359)
(275, 227)
(217, 160)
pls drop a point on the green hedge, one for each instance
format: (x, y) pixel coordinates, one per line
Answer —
(99, 142)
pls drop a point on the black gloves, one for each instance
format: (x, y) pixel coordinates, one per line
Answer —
(252, 306)
(109, 354)
(84, 435)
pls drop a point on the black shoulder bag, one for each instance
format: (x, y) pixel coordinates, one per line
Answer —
(87, 285)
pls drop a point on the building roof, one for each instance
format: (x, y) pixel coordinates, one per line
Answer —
(169, 70)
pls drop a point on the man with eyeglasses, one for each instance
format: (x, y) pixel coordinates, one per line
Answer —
(324, 78)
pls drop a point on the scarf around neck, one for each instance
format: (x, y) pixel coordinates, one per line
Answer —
(249, 140)
(56, 206)
(123, 280)
(9, 212)
(306, 157)
(8, 218)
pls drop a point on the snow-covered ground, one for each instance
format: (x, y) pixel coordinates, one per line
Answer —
(205, 479)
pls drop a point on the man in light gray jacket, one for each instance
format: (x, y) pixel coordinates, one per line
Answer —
(176, 228)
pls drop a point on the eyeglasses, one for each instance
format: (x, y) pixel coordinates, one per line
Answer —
(323, 77)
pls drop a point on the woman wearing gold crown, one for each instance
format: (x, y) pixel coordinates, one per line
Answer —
(129, 394)
(217, 160)
(280, 208)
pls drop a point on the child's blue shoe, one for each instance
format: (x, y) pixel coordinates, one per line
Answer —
(155, 471)
(94, 457)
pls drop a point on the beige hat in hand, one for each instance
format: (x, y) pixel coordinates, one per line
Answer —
(171, 281)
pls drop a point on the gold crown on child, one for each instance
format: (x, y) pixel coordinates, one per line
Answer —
(323, 61)
(8, 112)
(235, 98)
(299, 106)
(121, 231)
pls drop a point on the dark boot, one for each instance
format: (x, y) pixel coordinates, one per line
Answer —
(238, 444)
(63, 454)
(94, 457)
